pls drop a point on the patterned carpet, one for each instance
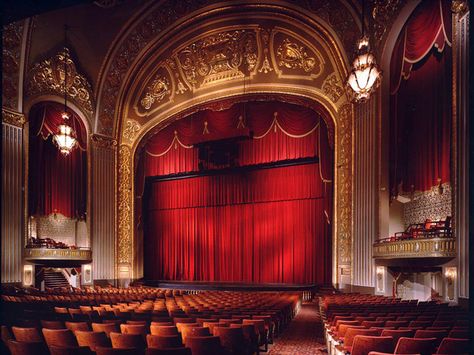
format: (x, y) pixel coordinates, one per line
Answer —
(304, 335)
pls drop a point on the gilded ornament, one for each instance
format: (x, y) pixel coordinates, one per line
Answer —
(101, 141)
(130, 131)
(332, 88)
(11, 52)
(459, 7)
(156, 92)
(47, 77)
(383, 13)
(293, 56)
(13, 118)
(219, 57)
(266, 67)
(124, 208)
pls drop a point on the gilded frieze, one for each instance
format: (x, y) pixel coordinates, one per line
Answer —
(13, 118)
(47, 77)
(217, 58)
(332, 87)
(124, 206)
(293, 58)
(101, 141)
(344, 185)
(11, 53)
(130, 131)
(156, 92)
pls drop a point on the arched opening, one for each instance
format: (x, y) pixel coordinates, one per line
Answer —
(210, 187)
(57, 186)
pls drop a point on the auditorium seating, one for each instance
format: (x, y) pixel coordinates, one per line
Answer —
(146, 320)
(359, 324)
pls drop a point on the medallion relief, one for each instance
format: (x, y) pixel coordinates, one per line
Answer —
(47, 77)
(217, 58)
(332, 88)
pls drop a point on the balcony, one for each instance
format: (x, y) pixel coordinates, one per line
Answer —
(58, 257)
(429, 251)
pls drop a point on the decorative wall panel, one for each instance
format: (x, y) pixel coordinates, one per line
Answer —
(434, 204)
(365, 193)
(103, 208)
(462, 193)
(12, 197)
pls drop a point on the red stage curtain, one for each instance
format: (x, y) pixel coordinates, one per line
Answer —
(56, 183)
(420, 106)
(280, 131)
(265, 225)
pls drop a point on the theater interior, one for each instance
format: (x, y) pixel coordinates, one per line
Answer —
(236, 177)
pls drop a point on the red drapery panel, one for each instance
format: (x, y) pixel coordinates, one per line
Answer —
(280, 131)
(56, 183)
(265, 225)
(420, 104)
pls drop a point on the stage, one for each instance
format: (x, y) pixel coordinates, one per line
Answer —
(230, 286)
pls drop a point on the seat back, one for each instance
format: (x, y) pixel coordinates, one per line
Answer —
(67, 350)
(135, 341)
(232, 339)
(163, 341)
(106, 328)
(438, 334)
(52, 324)
(92, 339)
(27, 334)
(115, 351)
(398, 333)
(163, 330)
(459, 333)
(204, 345)
(134, 329)
(415, 346)
(27, 348)
(363, 344)
(194, 332)
(77, 326)
(169, 351)
(59, 337)
(352, 332)
(453, 346)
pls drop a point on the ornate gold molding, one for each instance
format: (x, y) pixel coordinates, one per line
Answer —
(416, 248)
(332, 87)
(159, 88)
(12, 37)
(460, 7)
(344, 184)
(42, 254)
(220, 57)
(47, 77)
(292, 56)
(13, 118)
(130, 131)
(101, 141)
(124, 205)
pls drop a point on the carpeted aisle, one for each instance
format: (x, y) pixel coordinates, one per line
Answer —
(304, 335)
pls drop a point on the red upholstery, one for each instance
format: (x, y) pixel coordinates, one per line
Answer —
(454, 346)
(415, 346)
(363, 344)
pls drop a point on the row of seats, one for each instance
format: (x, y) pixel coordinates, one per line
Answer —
(205, 323)
(359, 324)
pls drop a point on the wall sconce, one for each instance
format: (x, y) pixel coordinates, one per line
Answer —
(450, 273)
(87, 273)
(124, 271)
(27, 275)
(380, 282)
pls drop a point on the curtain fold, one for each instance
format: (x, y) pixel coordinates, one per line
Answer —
(55, 183)
(420, 103)
(263, 226)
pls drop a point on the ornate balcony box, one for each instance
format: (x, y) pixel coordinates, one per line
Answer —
(58, 257)
(418, 248)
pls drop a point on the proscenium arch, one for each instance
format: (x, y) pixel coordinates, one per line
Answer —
(308, 38)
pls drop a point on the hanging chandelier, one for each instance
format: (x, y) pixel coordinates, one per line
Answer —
(365, 76)
(65, 137)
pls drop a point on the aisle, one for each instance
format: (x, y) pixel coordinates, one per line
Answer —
(304, 335)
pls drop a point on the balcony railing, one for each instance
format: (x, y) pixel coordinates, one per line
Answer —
(57, 256)
(444, 247)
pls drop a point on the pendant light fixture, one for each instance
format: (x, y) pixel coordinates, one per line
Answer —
(65, 137)
(365, 76)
